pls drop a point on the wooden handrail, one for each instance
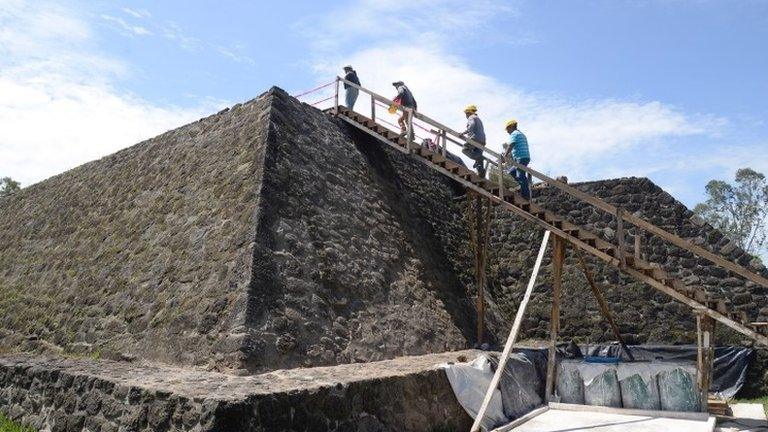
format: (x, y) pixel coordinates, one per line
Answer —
(642, 223)
(422, 117)
(597, 202)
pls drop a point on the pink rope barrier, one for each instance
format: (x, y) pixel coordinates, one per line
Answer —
(314, 89)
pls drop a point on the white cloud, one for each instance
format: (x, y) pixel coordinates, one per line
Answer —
(137, 13)
(234, 53)
(59, 105)
(125, 28)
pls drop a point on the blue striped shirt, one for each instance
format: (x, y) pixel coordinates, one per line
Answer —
(518, 145)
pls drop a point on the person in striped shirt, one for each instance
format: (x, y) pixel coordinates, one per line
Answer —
(517, 146)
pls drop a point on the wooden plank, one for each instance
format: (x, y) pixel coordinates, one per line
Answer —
(375, 135)
(603, 304)
(653, 229)
(524, 419)
(638, 253)
(763, 339)
(512, 335)
(558, 258)
(620, 236)
(705, 357)
(479, 267)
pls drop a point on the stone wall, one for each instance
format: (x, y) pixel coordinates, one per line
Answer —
(642, 313)
(145, 253)
(83, 395)
(360, 251)
(267, 236)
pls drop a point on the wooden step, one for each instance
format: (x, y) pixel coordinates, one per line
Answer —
(717, 406)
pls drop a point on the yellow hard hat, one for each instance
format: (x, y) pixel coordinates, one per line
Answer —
(512, 122)
(470, 108)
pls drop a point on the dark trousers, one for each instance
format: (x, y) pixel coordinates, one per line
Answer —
(476, 155)
(522, 178)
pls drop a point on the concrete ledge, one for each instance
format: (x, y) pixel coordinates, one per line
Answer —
(403, 394)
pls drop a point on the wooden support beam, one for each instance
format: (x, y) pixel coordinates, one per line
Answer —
(593, 247)
(705, 330)
(479, 267)
(647, 226)
(558, 258)
(620, 237)
(638, 253)
(512, 336)
(602, 303)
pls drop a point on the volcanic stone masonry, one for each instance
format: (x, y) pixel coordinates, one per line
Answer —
(272, 236)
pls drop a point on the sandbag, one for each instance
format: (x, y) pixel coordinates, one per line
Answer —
(678, 390)
(569, 384)
(638, 393)
(603, 390)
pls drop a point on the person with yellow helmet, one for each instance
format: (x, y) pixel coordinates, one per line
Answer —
(475, 132)
(517, 146)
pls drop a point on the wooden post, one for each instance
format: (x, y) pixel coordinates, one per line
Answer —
(512, 336)
(620, 236)
(558, 257)
(336, 97)
(479, 267)
(500, 166)
(705, 328)
(638, 254)
(445, 143)
(373, 109)
(409, 131)
(602, 303)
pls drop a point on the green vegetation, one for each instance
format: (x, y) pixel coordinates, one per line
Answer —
(7, 425)
(8, 186)
(739, 210)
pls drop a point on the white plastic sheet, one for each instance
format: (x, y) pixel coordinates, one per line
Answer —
(470, 381)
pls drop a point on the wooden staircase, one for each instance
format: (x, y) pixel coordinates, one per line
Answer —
(651, 273)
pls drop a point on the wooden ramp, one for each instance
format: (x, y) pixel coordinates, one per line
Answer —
(618, 255)
(575, 418)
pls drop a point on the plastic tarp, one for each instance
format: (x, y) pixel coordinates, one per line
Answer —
(469, 382)
(522, 384)
(521, 388)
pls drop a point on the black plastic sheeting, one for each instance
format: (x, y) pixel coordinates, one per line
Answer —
(729, 370)
(523, 382)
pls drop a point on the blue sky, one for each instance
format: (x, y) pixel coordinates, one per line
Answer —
(673, 90)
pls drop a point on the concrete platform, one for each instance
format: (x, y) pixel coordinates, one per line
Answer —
(747, 417)
(575, 418)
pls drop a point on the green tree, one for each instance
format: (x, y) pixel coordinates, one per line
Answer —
(739, 210)
(8, 186)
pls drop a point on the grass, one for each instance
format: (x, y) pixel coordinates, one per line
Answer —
(761, 400)
(8, 426)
